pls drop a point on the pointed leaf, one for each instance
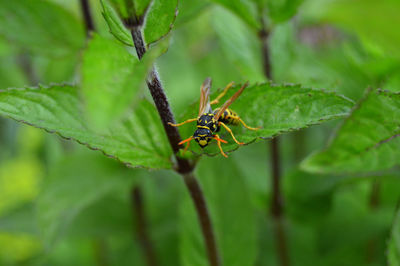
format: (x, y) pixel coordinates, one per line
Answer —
(368, 139)
(276, 109)
(139, 140)
(159, 20)
(115, 24)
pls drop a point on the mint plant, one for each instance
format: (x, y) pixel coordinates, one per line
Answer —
(111, 75)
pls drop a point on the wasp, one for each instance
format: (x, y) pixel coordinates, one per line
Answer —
(210, 121)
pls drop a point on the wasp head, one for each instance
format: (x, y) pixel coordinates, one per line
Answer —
(203, 136)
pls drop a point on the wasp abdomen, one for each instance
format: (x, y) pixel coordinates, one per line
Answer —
(228, 117)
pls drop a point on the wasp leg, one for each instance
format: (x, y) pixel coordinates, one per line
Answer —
(230, 131)
(216, 137)
(246, 126)
(185, 122)
(187, 145)
(216, 100)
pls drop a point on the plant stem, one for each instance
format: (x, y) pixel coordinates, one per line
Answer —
(277, 199)
(87, 16)
(203, 215)
(24, 60)
(276, 202)
(141, 227)
(162, 105)
(100, 252)
(184, 167)
(373, 205)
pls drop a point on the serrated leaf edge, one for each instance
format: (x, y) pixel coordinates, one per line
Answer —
(50, 86)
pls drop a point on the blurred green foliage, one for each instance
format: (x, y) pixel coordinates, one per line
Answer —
(62, 204)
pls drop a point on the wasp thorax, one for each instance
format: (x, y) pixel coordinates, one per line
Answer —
(207, 121)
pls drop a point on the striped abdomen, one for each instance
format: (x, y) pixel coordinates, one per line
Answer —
(228, 117)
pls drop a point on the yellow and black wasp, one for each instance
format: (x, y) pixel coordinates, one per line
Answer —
(209, 122)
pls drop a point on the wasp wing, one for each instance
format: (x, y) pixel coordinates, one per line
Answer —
(230, 101)
(205, 97)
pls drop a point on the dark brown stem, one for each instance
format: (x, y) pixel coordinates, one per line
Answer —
(87, 16)
(162, 105)
(277, 199)
(374, 196)
(184, 167)
(299, 143)
(266, 59)
(202, 213)
(276, 202)
(141, 227)
(373, 205)
(24, 60)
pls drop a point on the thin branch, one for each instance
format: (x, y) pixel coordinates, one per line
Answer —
(277, 199)
(141, 227)
(87, 16)
(276, 203)
(24, 60)
(202, 213)
(162, 105)
(373, 205)
(184, 167)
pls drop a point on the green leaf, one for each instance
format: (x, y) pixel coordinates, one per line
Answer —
(41, 26)
(141, 6)
(116, 26)
(276, 109)
(367, 140)
(244, 9)
(232, 217)
(282, 10)
(394, 243)
(372, 20)
(159, 20)
(75, 184)
(138, 140)
(131, 8)
(111, 77)
(240, 45)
